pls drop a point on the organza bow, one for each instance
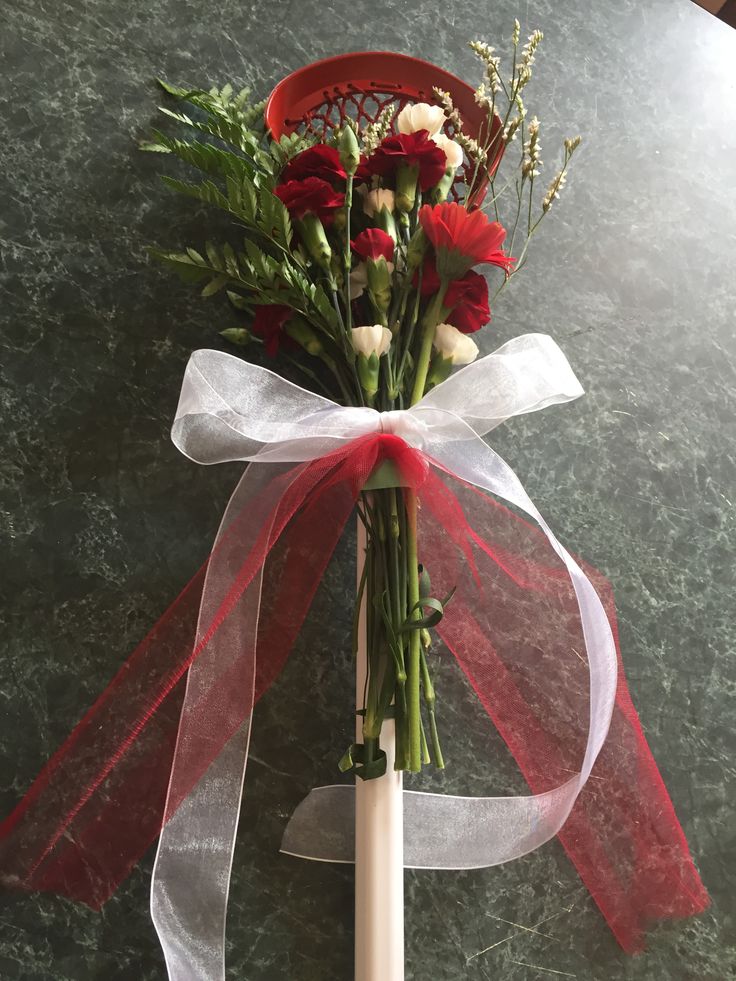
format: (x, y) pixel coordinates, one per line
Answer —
(527, 627)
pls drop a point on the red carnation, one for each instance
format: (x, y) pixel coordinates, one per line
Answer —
(317, 161)
(372, 244)
(310, 196)
(462, 239)
(268, 324)
(466, 299)
(409, 150)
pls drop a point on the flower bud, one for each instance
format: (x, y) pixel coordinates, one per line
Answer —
(349, 149)
(422, 115)
(453, 345)
(312, 233)
(236, 335)
(386, 222)
(369, 344)
(368, 373)
(375, 339)
(406, 188)
(439, 192)
(379, 283)
(439, 370)
(302, 333)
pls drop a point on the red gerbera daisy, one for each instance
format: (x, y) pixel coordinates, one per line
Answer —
(372, 244)
(310, 196)
(409, 150)
(268, 323)
(462, 239)
(317, 161)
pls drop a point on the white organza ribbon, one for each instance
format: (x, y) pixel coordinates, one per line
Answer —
(232, 410)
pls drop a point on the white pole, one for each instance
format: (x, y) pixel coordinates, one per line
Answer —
(379, 844)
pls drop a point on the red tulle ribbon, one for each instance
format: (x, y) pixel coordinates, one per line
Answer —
(513, 627)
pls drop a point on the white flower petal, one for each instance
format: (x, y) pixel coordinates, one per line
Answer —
(453, 150)
(369, 340)
(453, 344)
(421, 115)
(375, 201)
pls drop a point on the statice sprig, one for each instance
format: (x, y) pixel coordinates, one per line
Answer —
(503, 96)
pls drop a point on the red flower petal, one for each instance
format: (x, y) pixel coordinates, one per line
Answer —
(467, 238)
(467, 299)
(372, 244)
(269, 321)
(310, 196)
(411, 150)
(317, 161)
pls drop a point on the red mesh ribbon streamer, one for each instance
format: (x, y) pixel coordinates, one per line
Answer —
(513, 627)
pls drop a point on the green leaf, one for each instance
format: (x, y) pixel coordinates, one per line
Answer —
(172, 89)
(236, 335)
(151, 146)
(206, 191)
(433, 618)
(214, 256)
(230, 259)
(238, 301)
(353, 761)
(273, 218)
(183, 265)
(207, 158)
(234, 132)
(215, 285)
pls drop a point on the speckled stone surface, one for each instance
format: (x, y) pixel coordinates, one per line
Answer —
(102, 521)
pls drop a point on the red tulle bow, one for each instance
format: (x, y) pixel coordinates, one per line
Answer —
(513, 627)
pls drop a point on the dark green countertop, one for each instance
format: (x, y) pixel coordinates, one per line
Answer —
(102, 520)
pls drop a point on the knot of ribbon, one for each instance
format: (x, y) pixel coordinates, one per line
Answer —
(400, 422)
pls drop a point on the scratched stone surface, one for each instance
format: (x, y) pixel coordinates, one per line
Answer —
(102, 520)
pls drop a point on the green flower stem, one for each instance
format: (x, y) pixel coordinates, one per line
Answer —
(429, 701)
(348, 258)
(429, 323)
(413, 672)
(396, 596)
(414, 709)
(426, 758)
(410, 328)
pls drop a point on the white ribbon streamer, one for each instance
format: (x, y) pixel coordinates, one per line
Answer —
(232, 410)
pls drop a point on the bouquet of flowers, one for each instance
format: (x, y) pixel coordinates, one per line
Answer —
(356, 261)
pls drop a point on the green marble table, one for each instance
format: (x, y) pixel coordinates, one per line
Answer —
(102, 520)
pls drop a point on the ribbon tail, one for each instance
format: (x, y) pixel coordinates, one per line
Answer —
(191, 875)
(538, 645)
(520, 628)
(289, 519)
